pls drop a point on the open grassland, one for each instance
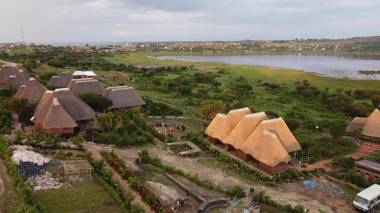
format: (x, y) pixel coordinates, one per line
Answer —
(86, 197)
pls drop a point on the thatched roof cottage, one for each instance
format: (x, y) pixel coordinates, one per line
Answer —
(32, 91)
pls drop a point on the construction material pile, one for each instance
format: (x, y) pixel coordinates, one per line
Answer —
(331, 190)
(25, 154)
(45, 182)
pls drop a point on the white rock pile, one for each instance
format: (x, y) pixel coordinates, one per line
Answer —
(45, 182)
(24, 154)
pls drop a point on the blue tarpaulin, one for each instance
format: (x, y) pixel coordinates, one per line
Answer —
(309, 184)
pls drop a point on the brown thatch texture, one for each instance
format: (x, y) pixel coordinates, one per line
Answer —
(74, 105)
(266, 147)
(57, 117)
(60, 81)
(71, 104)
(32, 91)
(372, 125)
(281, 129)
(123, 97)
(356, 125)
(244, 129)
(5, 72)
(19, 79)
(81, 86)
(222, 125)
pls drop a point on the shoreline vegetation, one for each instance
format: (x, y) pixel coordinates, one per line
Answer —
(369, 72)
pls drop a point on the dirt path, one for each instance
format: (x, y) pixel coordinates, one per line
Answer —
(282, 194)
(95, 152)
(364, 150)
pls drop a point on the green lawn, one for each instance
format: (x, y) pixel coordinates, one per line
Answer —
(85, 197)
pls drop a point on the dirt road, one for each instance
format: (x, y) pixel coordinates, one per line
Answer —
(285, 194)
(7, 193)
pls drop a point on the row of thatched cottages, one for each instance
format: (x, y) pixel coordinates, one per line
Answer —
(267, 144)
(61, 110)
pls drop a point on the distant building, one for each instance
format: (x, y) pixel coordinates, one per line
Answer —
(84, 74)
(10, 76)
(369, 169)
(60, 81)
(267, 144)
(123, 97)
(32, 91)
(368, 128)
(85, 85)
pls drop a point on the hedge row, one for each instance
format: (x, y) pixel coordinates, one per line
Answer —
(134, 182)
(104, 178)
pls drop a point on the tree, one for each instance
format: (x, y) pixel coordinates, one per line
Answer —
(211, 108)
(29, 64)
(96, 101)
(184, 90)
(375, 99)
(240, 88)
(109, 122)
(293, 124)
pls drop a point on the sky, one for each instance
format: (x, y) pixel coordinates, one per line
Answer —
(50, 21)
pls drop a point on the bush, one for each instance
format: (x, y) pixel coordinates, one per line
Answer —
(97, 102)
(159, 109)
(235, 192)
(6, 121)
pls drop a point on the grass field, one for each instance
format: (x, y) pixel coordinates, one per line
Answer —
(86, 197)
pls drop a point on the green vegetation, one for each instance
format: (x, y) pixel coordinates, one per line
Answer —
(271, 206)
(84, 197)
(25, 202)
(97, 102)
(374, 157)
(123, 129)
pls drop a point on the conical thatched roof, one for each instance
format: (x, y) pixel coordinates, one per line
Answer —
(281, 129)
(81, 86)
(57, 118)
(356, 125)
(244, 129)
(32, 91)
(372, 125)
(266, 147)
(5, 72)
(222, 125)
(60, 81)
(123, 97)
(19, 79)
(75, 107)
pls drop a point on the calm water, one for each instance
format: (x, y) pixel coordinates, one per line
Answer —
(323, 65)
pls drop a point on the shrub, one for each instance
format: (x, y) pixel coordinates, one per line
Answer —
(235, 192)
(97, 102)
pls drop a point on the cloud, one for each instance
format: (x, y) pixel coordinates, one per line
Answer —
(151, 20)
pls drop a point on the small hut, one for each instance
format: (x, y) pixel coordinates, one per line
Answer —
(32, 91)
(123, 97)
(86, 85)
(60, 81)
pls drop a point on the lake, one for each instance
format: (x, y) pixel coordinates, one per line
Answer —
(335, 66)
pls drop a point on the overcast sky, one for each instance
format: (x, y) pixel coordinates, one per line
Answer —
(162, 20)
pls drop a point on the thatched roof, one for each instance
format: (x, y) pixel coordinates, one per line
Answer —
(266, 147)
(32, 91)
(123, 97)
(57, 117)
(74, 105)
(372, 125)
(60, 81)
(281, 129)
(222, 125)
(81, 86)
(244, 129)
(20, 78)
(5, 72)
(71, 104)
(356, 125)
